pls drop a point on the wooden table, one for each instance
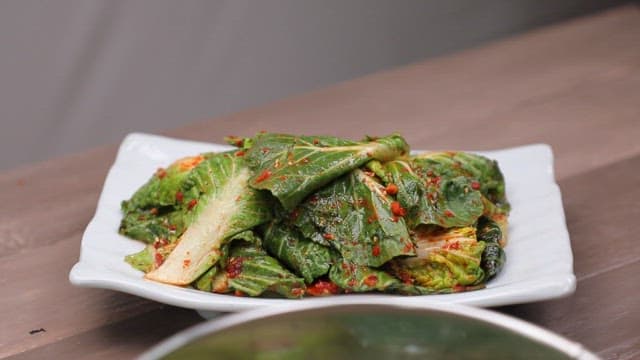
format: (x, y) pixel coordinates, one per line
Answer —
(575, 86)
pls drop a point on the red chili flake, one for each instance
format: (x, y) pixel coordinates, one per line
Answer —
(234, 268)
(405, 278)
(153, 211)
(161, 173)
(237, 141)
(263, 176)
(189, 163)
(294, 214)
(453, 245)
(313, 199)
(436, 180)
(328, 236)
(375, 251)
(391, 189)
(371, 280)
(265, 150)
(429, 173)
(316, 141)
(352, 282)
(458, 288)
(239, 153)
(192, 204)
(159, 259)
(475, 185)
(297, 292)
(172, 227)
(397, 209)
(449, 213)
(283, 178)
(160, 243)
(179, 196)
(408, 247)
(186, 263)
(322, 287)
(239, 293)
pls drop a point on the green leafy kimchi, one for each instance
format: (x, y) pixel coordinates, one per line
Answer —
(295, 216)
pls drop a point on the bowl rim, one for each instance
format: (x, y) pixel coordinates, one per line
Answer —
(532, 332)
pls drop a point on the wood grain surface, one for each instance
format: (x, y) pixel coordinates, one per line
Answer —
(575, 86)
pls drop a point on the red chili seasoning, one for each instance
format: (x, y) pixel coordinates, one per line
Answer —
(153, 211)
(352, 282)
(172, 227)
(436, 180)
(189, 163)
(236, 140)
(186, 263)
(429, 172)
(316, 141)
(159, 259)
(449, 213)
(265, 150)
(234, 268)
(192, 204)
(297, 292)
(179, 196)
(161, 173)
(322, 287)
(408, 247)
(454, 246)
(406, 278)
(263, 176)
(375, 251)
(160, 243)
(239, 153)
(397, 209)
(283, 178)
(294, 214)
(475, 185)
(371, 280)
(239, 293)
(391, 189)
(328, 236)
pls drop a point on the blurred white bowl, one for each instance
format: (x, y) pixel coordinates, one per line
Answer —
(383, 330)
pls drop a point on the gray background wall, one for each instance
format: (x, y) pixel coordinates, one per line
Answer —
(76, 73)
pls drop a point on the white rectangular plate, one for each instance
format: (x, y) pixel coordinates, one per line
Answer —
(539, 260)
